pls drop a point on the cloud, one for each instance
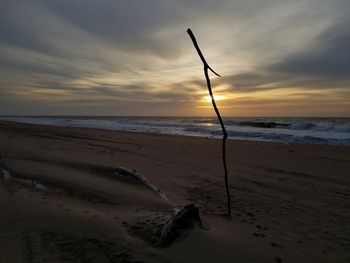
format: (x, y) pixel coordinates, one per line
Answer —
(328, 54)
(137, 52)
(321, 64)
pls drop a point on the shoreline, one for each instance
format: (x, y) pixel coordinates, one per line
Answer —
(289, 201)
(50, 126)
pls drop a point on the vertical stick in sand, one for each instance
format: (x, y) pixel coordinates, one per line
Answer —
(206, 68)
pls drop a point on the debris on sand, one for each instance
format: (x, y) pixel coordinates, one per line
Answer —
(25, 181)
(6, 175)
(40, 187)
(37, 185)
(121, 171)
(179, 225)
(162, 230)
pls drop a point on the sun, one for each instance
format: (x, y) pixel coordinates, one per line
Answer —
(216, 97)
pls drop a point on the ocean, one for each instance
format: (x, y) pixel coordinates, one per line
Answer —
(334, 131)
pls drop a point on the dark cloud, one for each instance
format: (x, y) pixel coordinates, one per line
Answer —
(269, 80)
(328, 54)
(134, 26)
(323, 64)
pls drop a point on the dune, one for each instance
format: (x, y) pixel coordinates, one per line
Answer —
(290, 202)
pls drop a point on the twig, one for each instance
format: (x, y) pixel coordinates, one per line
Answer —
(224, 138)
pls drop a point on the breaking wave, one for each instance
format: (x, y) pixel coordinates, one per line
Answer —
(288, 130)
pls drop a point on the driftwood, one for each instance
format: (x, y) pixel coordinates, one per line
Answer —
(6, 175)
(179, 225)
(121, 171)
(38, 186)
(8, 178)
(224, 133)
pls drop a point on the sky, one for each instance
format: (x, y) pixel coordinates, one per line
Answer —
(116, 57)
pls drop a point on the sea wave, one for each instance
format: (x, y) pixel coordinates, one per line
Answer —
(288, 130)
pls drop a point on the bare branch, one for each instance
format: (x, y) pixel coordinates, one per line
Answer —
(224, 138)
(189, 31)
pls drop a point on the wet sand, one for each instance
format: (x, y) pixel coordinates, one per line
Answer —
(290, 202)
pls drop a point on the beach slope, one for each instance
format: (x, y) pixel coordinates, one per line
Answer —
(64, 199)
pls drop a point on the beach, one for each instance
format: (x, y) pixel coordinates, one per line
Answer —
(64, 201)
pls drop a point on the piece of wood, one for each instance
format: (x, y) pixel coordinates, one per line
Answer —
(182, 221)
(8, 178)
(224, 133)
(121, 171)
(6, 175)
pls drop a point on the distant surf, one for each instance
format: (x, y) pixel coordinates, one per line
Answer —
(289, 130)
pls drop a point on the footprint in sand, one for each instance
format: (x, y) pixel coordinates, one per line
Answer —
(278, 259)
(259, 235)
(261, 227)
(275, 245)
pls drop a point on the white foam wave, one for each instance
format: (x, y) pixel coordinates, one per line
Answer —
(300, 130)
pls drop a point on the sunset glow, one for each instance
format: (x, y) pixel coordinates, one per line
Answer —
(216, 98)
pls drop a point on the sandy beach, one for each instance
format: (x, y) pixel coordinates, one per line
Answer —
(65, 203)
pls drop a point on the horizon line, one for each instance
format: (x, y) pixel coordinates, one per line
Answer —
(164, 116)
